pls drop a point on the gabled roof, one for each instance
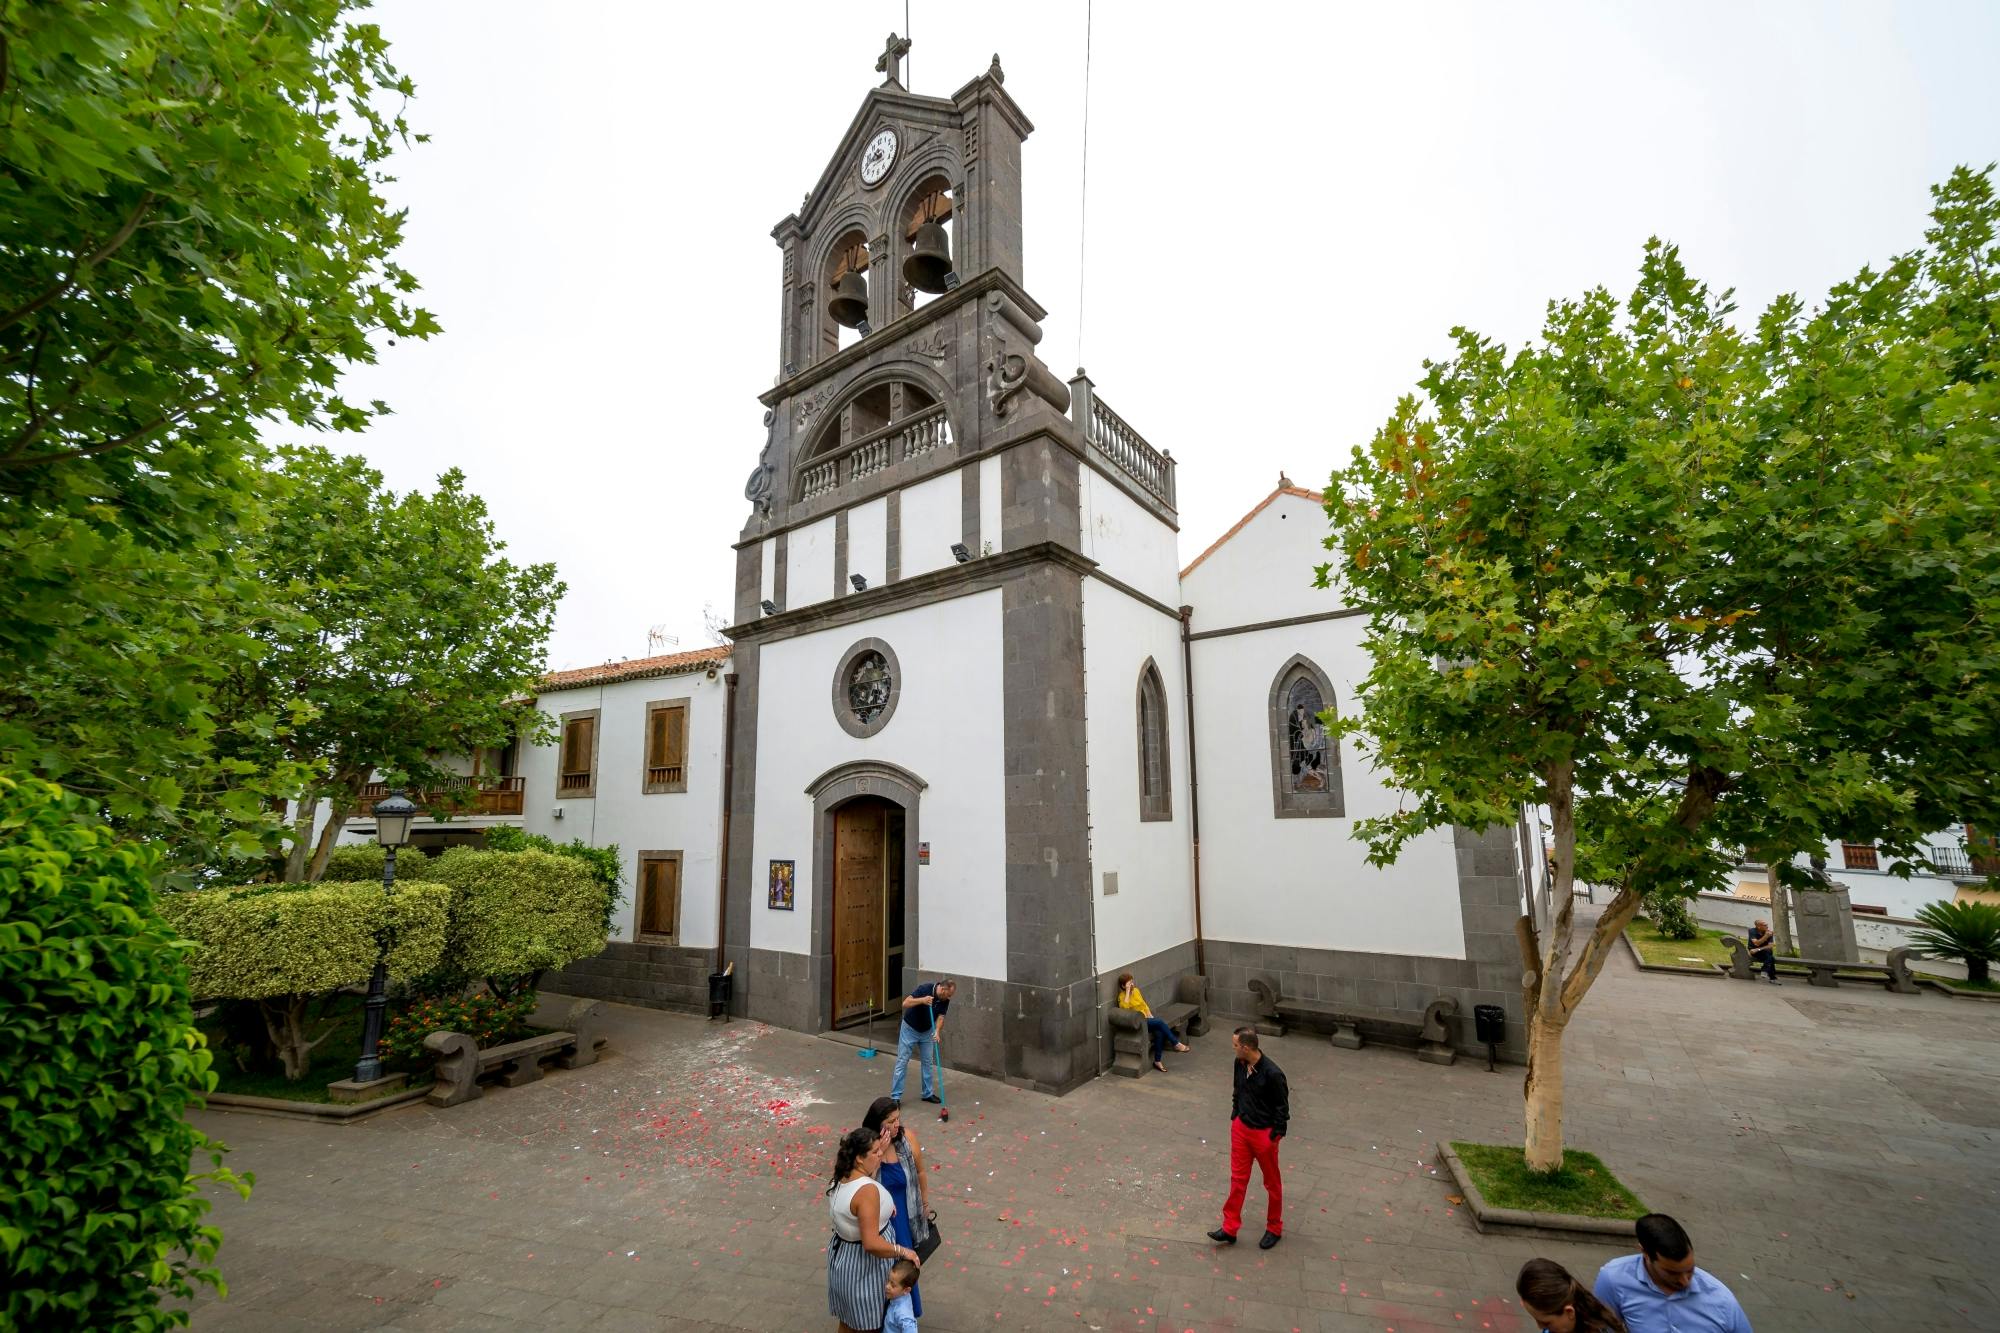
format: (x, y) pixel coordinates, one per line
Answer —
(1285, 487)
(636, 668)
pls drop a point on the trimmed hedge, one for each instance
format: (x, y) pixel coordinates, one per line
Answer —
(290, 939)
(99, 1212)
(361, 862)
(516, 914)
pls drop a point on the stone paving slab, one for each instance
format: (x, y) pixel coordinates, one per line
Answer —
(1832, 1152)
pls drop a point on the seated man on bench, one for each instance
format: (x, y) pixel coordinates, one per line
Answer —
(1129, 997)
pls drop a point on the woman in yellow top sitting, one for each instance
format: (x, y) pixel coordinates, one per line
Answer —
(1130, 998)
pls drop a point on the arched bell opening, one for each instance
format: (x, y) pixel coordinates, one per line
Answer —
(926, 253)
(844, 312)
(885, 423)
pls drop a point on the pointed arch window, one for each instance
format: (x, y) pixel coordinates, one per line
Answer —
(1305, 760)
(1156, 797)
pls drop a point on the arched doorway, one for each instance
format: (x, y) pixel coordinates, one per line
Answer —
(868, 902)
(865, 856)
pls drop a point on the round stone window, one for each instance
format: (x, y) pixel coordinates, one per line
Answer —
(866, 686)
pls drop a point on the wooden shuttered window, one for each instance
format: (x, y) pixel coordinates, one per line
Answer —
(666, 745)
(659, 897)
(1858, 856)
(577, 764)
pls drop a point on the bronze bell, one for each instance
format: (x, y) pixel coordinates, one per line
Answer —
(849, 303)
(929, 263)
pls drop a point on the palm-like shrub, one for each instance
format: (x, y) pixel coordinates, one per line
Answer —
(1970, 931)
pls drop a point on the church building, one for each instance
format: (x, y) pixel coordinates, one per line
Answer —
(976, 719)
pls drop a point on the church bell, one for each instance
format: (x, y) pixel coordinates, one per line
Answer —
(928, 269)
(849, 304)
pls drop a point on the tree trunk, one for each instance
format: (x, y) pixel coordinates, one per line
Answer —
(285, 1020)
(1977, 970)
(1544, 1092)
(341, 806)
(302, 825)
(1781, 908)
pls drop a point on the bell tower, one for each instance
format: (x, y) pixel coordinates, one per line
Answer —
(921, 507)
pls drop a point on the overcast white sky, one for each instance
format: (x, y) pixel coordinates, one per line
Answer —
(1289, 207)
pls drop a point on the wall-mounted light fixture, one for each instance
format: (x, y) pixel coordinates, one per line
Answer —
(959, 553)
(770, 607)
(860, 584)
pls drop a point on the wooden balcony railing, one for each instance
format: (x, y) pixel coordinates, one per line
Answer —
(669, 773)
(573, 781)
(460, 796)
(1859, 856)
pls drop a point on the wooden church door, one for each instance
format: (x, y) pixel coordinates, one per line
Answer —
(860, 874)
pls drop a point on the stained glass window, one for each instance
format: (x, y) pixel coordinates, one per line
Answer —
(1305, 760)
(1305, 737)
(868, 685)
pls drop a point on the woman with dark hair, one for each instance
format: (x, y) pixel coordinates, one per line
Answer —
(859, 1255)
(903, 1175)
(1561, 1304)
(1130, 997)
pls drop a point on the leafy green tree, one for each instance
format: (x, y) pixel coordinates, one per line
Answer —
(1689, 586)
(100, 1213)
(192, 242)
(425, 641)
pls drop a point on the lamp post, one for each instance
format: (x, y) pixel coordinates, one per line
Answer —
(393, 815)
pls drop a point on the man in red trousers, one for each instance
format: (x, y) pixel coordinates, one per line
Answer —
(1259, 1113)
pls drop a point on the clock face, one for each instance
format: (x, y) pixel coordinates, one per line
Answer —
(878, 157)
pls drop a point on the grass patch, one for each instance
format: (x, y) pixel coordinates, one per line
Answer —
(1584, 1185)
(1988, 986)
(1660, 951)
(332, 1059)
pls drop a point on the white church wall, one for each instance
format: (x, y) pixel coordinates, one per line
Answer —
(767, 585)
(867, 544)
(809, 564)
(1265, 571)
(989, 504)
(947, 729)
(622, 813)
(1153, 909)
(933, 517)
(1126, 541)
(1303, 882)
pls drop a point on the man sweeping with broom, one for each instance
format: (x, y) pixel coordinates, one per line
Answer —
(923, 1023)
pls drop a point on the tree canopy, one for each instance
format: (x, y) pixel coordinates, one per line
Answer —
(1694, 587)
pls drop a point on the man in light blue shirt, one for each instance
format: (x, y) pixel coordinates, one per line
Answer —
(1659, 1290)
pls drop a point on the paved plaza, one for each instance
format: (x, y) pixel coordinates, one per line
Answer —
(1833, 1153)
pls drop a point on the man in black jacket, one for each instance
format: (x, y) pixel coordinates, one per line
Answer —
(1259, 1113)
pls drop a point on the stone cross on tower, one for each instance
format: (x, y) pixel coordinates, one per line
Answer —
(891, 63)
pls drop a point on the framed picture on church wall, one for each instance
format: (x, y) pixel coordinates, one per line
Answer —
(781, 885)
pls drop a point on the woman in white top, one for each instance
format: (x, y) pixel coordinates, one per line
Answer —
(862, 1248)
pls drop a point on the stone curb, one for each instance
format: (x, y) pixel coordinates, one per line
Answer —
(1712, 970)
(1957, 993)
(1517, 1222)
(337, 1113)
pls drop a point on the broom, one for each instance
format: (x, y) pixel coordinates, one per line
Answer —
(937, 1054)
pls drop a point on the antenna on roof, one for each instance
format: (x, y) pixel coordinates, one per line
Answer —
(658, 640)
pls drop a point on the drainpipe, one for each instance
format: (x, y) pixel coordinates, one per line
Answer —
(728, 791)
(1194, 785)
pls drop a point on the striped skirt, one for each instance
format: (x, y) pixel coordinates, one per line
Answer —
(854, 1280)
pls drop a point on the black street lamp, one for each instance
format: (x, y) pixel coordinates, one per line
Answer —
(393, 815)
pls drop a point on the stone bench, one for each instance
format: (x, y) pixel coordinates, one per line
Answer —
(1432, 1033)
(461, 1064)
(1131, 1048)
(1895, 974)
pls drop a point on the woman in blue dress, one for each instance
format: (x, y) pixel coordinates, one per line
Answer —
(903, 1175)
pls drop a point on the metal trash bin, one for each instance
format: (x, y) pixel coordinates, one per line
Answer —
(721, 985)
(1489, 1022)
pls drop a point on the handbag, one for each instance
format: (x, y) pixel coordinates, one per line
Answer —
(928, 1246)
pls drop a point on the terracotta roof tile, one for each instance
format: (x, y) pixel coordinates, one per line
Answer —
(635, 668)
(1216, 545)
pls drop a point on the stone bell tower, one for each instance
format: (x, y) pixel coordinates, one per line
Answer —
(919, 491)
